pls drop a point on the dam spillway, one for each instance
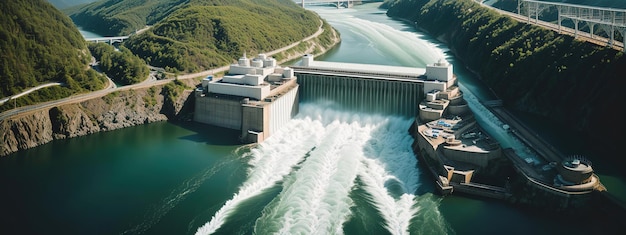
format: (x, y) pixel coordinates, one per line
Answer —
(370, 88)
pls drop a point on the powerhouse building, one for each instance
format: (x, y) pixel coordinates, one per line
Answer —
(255, 96)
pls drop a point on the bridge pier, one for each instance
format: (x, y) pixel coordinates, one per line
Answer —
(623, 32)
(591, 27)
(575, 27)
(610, 31)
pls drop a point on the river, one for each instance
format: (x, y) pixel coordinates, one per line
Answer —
(326, 172)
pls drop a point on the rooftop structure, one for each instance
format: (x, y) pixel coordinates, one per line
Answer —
(254, 79)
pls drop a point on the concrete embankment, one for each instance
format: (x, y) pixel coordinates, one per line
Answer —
(123, 108)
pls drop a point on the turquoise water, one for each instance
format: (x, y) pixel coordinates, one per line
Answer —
(326, 172)
(88, 34)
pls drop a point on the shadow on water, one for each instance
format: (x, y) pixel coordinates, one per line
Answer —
(209, 134)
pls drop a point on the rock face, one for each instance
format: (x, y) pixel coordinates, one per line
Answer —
(114, 111)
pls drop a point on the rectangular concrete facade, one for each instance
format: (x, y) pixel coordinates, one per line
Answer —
(218, 111)
(263, 119)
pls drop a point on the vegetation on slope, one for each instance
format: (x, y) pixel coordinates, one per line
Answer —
(122, 17)
(210, 33)
(573, 83)
(121, 66)
(39, 45)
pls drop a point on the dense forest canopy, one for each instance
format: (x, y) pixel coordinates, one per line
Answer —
(122, 17)
(195, 35)
(39, 45)
(122, 66)
(210, 33)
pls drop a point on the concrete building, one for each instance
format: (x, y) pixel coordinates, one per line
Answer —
(256, 97)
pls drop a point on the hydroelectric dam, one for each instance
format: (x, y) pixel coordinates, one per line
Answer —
(258, 97)
(371, 88)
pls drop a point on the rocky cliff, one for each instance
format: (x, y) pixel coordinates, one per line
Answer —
(114, 111)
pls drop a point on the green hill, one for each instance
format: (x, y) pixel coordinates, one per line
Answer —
(194, 35)
(122, 17)
(206, 34)
(39, 45)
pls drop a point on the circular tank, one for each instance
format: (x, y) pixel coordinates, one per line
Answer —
(257, 63)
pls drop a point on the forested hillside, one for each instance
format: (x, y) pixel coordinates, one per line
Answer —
(572, 83)
(194, 35)
(122, 17)
(212, 33)
(39, 45)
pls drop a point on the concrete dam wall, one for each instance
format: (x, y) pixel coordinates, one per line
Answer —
(362, 94)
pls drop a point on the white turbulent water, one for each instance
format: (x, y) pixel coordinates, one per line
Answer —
(318, 156)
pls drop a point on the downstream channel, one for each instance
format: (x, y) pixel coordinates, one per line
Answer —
(326, 172)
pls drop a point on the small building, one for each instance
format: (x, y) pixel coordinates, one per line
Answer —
(256, 96)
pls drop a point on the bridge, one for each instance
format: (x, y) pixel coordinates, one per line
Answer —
(609, 20)
(371, 88)
(336, 3)
(110, 40)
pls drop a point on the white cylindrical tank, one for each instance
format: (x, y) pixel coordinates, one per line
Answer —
(269, 62)
(262, 56)
(307, 60)
(243, 61)
(288, 72)
(257, 63)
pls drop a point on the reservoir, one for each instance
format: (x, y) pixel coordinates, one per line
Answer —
(327, 172)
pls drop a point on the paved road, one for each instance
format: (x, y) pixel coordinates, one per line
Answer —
(151, 81)
(29, 91)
